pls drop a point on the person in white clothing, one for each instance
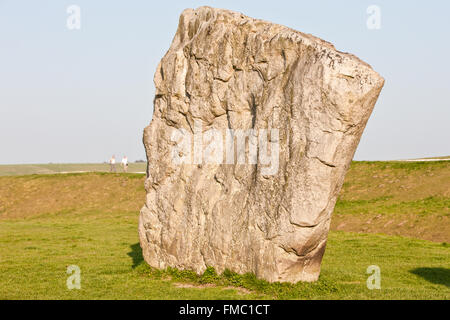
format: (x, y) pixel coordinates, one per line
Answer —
(112, 164)
(125, 163)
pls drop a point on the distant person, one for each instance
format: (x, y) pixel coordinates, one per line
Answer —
(112, 164)
(125, 163)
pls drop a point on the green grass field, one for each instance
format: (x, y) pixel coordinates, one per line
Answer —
(48, 222)
(36, 253)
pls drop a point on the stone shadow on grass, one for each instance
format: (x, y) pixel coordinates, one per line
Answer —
(136, 254)
(434, 275)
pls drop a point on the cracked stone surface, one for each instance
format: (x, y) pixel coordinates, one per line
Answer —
(230, 71)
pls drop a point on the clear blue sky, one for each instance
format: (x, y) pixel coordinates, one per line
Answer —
(82, 95)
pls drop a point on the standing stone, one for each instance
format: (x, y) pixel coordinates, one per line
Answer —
(225, 71)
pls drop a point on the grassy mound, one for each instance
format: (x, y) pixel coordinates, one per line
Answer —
(398, 198)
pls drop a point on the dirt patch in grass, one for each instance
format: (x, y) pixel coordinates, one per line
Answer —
(210, 285)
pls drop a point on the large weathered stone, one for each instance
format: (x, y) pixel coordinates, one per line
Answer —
(228, 71)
